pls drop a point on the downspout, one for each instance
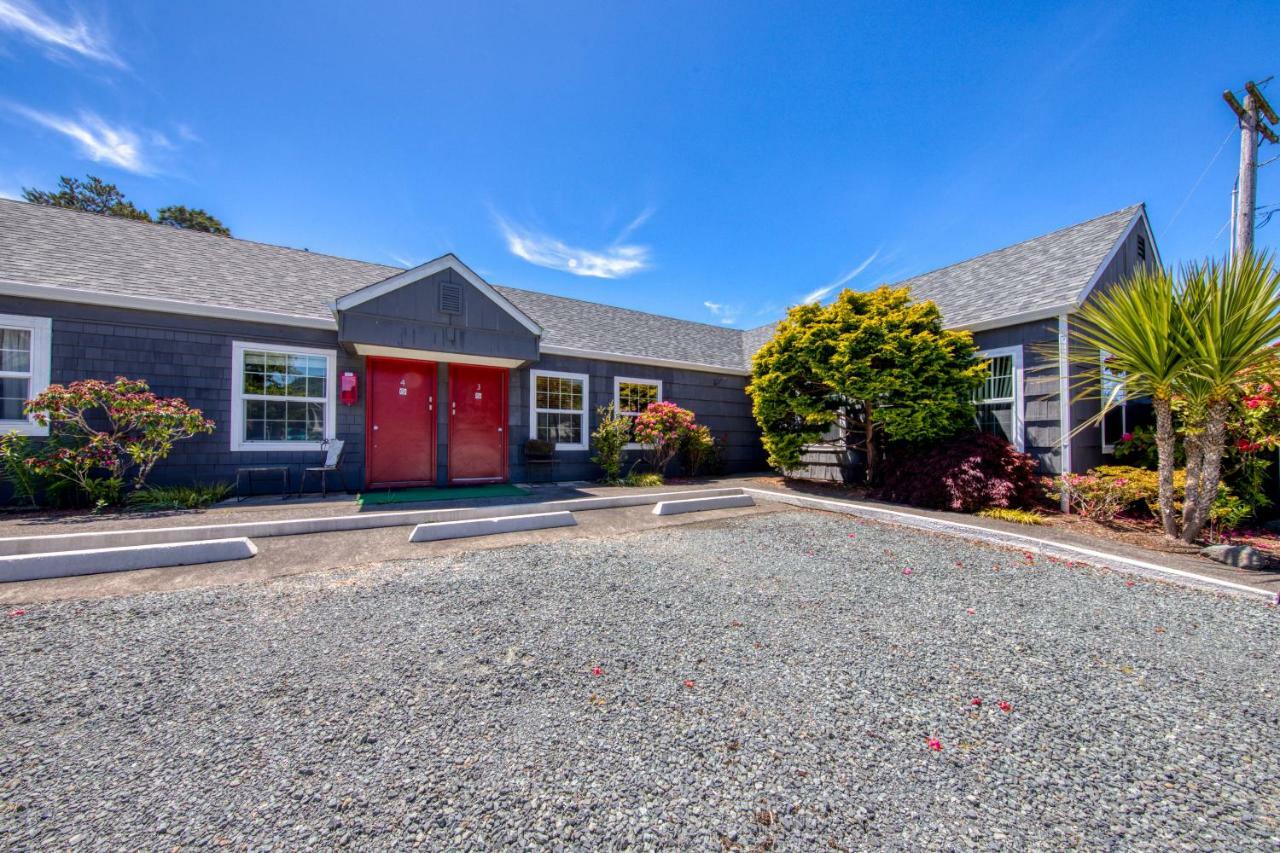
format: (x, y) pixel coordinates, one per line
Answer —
(1064, 402)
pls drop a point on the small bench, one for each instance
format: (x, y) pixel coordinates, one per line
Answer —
(281, 471)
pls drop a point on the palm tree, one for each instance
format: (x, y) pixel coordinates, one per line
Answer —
(1140, 327)
(1230, 314)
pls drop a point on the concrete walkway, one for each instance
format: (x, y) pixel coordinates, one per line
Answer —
(353, 549)
(1090, 548)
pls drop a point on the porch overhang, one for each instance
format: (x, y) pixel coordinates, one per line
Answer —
(380, 351)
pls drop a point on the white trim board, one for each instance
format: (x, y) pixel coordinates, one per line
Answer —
(600, 355)
(433, 355)
(444, 262)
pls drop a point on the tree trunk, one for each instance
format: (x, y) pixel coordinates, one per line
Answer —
(1191, 494)
(1165, 448)
(1212, 442)
(873, 464)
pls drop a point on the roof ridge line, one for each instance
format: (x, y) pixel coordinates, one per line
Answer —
(190, 232)
(623, 308)
(1015, 245)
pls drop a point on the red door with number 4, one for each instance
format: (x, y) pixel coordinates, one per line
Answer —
(477, 424)
(401, 419)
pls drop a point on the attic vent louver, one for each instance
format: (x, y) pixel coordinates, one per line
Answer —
(450, 298)
(1142, 248)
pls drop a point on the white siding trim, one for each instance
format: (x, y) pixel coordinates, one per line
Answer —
(641, 359)
(585, 411)
(1064, 392)
(238, 443)
(1019, 394)
(41, 329)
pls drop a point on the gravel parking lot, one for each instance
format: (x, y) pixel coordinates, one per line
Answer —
(770, 680)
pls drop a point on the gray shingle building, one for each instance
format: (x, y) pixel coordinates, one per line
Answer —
(432, 375)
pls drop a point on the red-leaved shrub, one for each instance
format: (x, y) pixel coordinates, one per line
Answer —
(966, 473)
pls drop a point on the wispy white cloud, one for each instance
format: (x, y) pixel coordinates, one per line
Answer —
(634, 224)
(821, 293)
(74, 36)
(406, 261)
(99, 141)
(726, 314)
(617, 260)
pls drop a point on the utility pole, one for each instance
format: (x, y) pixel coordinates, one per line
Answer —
(1253, 114)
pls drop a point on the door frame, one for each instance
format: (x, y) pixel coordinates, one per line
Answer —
(370, 366)
(504, 385)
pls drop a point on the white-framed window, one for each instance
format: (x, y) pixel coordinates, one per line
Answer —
(999, 397)
(1115, 422)
(25, 353)
(558, 409)
(282, 397)
(633, 396)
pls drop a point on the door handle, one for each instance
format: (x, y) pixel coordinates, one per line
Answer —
(375, 427)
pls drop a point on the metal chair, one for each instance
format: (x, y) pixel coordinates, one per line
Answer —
(332, 459)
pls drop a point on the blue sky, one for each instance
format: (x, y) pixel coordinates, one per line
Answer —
(714, 161)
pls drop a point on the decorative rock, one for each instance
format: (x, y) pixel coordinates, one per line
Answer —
(1240, 556)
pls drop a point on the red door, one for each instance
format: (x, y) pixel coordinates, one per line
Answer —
(477, 424)
(401, 423)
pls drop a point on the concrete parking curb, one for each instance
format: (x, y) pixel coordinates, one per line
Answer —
(25, 567)
(1030, 543)
(702, 504)
(329, 524)
(490, 526)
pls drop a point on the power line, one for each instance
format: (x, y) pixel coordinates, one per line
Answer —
(1196, 185)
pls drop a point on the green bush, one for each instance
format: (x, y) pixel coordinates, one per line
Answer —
(609, 440)
(153, 498)
(15, 450)
(698, 450)
(1106, 491)
(646, 479)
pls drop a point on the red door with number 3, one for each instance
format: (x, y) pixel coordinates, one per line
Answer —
(401, 420)
(477, 424)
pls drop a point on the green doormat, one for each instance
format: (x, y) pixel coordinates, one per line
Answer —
(427, 493)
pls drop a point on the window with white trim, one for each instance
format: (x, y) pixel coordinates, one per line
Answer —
(633, 396)
(24, 369)
(998, 400)
(283, 398)
(1115, 422)
(558, 409)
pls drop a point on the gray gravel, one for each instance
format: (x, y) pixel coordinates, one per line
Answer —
(452, 702)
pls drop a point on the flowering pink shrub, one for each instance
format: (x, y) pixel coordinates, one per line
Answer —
(965, 474)
(661, 428)
(101, 432)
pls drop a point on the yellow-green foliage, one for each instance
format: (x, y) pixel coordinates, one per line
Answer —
(1017, 516)
(876, 351)
(649, 479)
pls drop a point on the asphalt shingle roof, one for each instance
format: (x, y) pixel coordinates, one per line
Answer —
(63, 248)
(1041, 273)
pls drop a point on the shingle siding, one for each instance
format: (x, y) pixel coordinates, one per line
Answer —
(190, 357)
(717, 400)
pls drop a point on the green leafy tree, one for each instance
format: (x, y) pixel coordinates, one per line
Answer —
(92, 195)
(192, 219)
(878, 364)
